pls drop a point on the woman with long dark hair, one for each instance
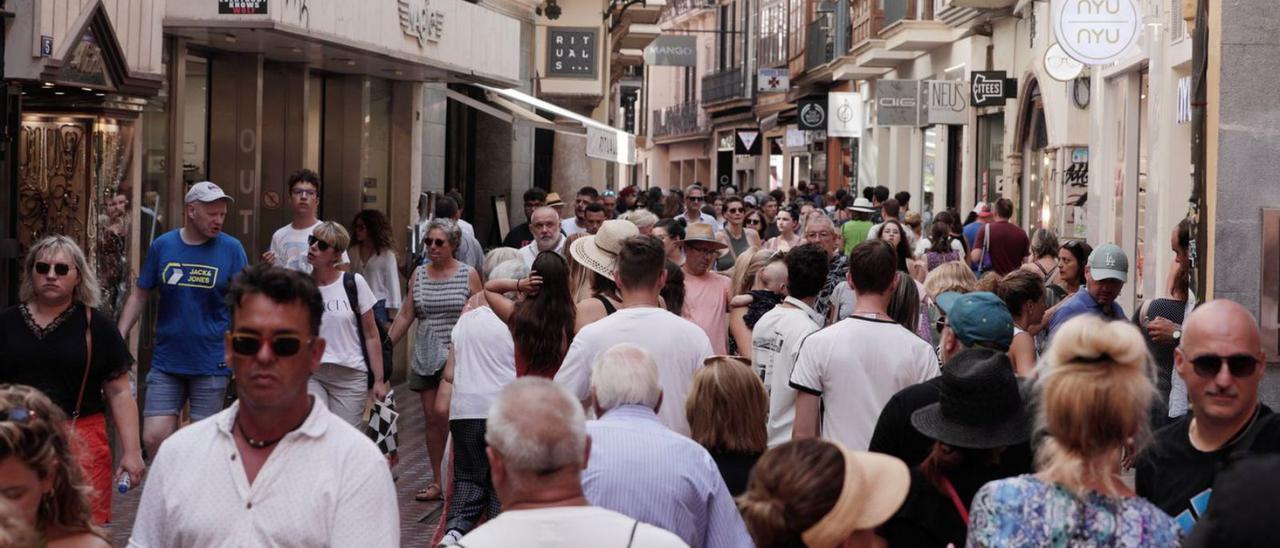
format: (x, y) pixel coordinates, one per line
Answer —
(941, 246)
(542, 319)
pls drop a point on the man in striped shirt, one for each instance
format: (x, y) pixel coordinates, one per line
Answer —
(641, 468)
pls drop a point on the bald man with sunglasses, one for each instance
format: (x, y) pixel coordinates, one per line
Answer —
(1220, 357)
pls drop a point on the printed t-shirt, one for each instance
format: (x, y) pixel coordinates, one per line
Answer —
(338, 324)
(193, 314)
(290, 246)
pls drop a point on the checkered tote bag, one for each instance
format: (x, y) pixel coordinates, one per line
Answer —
(382, 424)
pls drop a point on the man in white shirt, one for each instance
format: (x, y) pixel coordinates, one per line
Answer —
(846, 373)
(276, 468)
(642, 469)
(694, 199)
(544, 223)
(775, 341)
(289, 243)
(587, 195)
(538, 447)
(678, 345)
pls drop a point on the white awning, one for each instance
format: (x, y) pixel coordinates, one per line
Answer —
(604, 142)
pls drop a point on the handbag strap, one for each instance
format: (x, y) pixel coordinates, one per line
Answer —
(88, 361)
(349, 284)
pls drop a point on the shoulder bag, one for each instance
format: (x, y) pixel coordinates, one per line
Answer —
(88, 361)
(349, 284)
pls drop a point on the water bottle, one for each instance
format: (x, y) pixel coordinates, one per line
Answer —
(123, 485)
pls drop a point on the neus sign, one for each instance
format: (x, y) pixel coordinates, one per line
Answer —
(1095, 32)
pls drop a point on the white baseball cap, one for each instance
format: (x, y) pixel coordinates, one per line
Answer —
(206, 191)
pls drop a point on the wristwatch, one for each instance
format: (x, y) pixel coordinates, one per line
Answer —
(1177, 334)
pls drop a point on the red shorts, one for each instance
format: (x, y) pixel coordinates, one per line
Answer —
(92, 448)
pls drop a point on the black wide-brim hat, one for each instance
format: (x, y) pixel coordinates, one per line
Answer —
(980, 404)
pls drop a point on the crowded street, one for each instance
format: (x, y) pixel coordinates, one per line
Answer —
(668, 273)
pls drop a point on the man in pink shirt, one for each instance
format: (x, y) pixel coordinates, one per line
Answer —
(706, 293)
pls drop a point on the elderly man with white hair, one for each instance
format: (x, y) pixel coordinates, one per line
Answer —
(538, 447)
(641, 468)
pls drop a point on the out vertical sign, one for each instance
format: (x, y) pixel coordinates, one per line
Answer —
(1096, 32)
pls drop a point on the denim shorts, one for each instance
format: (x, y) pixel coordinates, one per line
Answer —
(167, 392)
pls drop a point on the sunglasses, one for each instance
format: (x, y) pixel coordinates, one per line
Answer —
(1209, 365)
(751, 222)
(59, 269)
(320, 244)
(940, 324)
(248, 344)
(17, 415)
(695, 198)
(435, 242)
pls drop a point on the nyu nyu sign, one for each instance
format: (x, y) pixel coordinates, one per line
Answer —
(1096, 32)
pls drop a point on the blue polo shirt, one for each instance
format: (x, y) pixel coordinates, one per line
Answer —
(192, 281)
(1082, 303)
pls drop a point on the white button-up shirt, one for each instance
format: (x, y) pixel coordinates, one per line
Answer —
(325, 484)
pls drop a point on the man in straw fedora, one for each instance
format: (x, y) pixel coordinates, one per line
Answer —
(706, 293)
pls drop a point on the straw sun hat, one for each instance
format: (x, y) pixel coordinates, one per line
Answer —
(599, 253)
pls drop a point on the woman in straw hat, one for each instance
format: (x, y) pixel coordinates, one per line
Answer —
(1095, 392)
(815, 493)
(599, 254)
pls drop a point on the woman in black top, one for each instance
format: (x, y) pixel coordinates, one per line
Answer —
(43, 341)
(1160, 321)
(728, 413)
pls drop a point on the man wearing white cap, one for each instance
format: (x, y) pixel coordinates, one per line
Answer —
(192, 268)
(1106, 273)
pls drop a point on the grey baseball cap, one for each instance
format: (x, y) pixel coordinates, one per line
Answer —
(1108, 262)
(206, 191)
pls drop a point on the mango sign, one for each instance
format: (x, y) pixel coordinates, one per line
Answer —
(1095, 32)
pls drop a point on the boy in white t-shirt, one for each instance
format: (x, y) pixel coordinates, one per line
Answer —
(845, 374)
(289, 243)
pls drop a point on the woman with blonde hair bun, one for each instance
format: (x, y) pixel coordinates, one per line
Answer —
(1094, 393)
(817, 494)
(39, 473)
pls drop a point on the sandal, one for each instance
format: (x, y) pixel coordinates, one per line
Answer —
(430, 492)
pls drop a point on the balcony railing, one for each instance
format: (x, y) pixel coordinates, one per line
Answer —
(828, 34)
(897, 10)
(676, 8)
(681, 119)
(725, 85)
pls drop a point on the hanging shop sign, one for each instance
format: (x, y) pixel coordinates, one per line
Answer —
(944, 102)
(794, 138)
(419, 21)
(672, 51)
(611, 145)
(242, 7)
(1095, 32)
(844, 110)
(812, 112)
(897, 102)
(571, 52)
(991, 88)
(747, 142)
(773, 79)
(1060, 66)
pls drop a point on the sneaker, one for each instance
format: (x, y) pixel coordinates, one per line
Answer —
(451, 538)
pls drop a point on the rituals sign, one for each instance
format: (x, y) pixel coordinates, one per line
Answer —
(571, 52)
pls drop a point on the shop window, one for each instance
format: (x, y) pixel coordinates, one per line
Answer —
(195, 121)
(990, 162)
(375, 172)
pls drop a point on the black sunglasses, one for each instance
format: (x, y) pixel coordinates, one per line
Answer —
(695, 198)
(1240, 365)
(435, 242)
(248, 344)
(17, 415)
(320, 244)
(60, 269)
(751, 221)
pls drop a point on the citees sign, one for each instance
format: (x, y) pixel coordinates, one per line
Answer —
(242, 7)
(897, 102)
(571, 52)
(1095, 32)
(672, 51)
(944, 102)
(419, 21)
(812, 112)
(991, 88)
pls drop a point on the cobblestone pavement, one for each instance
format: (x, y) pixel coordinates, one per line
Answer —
(418, 520)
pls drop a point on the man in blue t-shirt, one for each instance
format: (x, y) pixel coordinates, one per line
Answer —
(192, 267)
(1106, 272)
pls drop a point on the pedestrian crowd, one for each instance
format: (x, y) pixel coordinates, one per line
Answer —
(659, 368)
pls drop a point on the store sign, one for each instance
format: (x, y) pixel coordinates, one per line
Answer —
(672, 51)
(1095, 32)
(794, 138)
(419, 21)
(944, 102)
(845, 114)
(897, 102)
(571, 52)
(991, 88)
(1060, 66)
(242, 7)
(611, 145)
(747, 143)
(813, 113)
(773, 79)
